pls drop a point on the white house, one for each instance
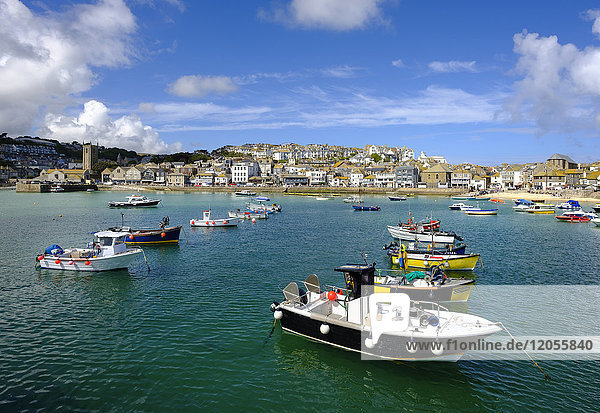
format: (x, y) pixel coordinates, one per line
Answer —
(244, 170)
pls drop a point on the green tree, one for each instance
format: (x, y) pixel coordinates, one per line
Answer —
(376, 157)
(100, 166)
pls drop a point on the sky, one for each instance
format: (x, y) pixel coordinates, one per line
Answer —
(478, 81)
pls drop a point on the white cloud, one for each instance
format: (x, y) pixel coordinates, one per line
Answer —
(398, 63)
(46, 59)
(95, 124)
(317, 108)
(199, 86)
(338, 15)
(560, 88)
(343, 72)
(453, 66)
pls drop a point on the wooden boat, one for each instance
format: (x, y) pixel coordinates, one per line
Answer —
(397, 198)
(481, 211)
(245, 192)
(209, 222)
(540, 209)
(362, 207)
(134, 201)
(419, 235)
(378, 325)
(247, 214)
(107, 252)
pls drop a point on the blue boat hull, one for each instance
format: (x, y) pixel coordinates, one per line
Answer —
(365, 208)
(154, 236)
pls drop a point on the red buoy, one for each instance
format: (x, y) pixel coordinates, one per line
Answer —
(331, 295)
(192, 222)
(213, 222)
(71, 262)
(87, 263)
(162, 234)
(131, 237)
(57, 261)
(41, 257)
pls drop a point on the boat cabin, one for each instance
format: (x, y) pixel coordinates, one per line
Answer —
(110, 242)
(357, 276)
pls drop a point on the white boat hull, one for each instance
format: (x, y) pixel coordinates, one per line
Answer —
(407, 235)
(113, 262)
(230, 222)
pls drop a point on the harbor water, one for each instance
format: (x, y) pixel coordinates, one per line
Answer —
(193, 332)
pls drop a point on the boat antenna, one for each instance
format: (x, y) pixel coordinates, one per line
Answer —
(365, 256)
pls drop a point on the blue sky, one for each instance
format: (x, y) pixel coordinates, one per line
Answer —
(483, 82)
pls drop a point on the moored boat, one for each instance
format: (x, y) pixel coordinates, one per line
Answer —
(459, 206)
(540, 209)
(481, 211)
(570, 205)
(450, 259)
(247, 214)
(397, 198)
(245, 192)
(596, 207)
(573, 218)
(208, 222)
(107, 252)
(56, 188)
(362, 207)
(379, 325)
(419, 235)
(164, 234)
(134, 201)
(351, 199)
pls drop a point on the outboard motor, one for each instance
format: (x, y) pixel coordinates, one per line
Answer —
(356, 276)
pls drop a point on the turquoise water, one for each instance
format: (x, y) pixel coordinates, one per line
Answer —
(192, 332)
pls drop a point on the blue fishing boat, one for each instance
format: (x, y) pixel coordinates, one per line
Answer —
(161, 235)
(523, 202)
(361, 207)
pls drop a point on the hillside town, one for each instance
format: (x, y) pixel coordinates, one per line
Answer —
(35, 160)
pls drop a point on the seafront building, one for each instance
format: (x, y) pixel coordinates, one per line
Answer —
(315, 165)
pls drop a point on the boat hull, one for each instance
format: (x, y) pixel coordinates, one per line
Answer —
(454, 290)
(365, 208)
(349, 337)
(214, 223)
(406, 235)
(154, 236)
(572, 218)
(481, 212)
(133, 205)
(451, 262)
(115, 262)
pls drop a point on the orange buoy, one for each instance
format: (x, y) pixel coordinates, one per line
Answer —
(41, 257)
(162, 234)
(57, 261)
(87, 263)
(331, 295)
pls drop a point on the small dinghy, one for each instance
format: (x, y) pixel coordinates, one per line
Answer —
(107, 252)
(207, 221)
(388, 326)
(134, 201)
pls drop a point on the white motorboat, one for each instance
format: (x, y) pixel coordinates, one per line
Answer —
(521, 207)
(540, 209)
(351, 199)
(387, 325)
(459, 206)
(260, 207)
(107, 252)
(245, 192)
(247, 214)
(134, 201)
(207, 221)
(56, 188)
(406, 234)
(570, 205)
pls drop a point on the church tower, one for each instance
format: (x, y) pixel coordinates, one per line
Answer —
(90, 155)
